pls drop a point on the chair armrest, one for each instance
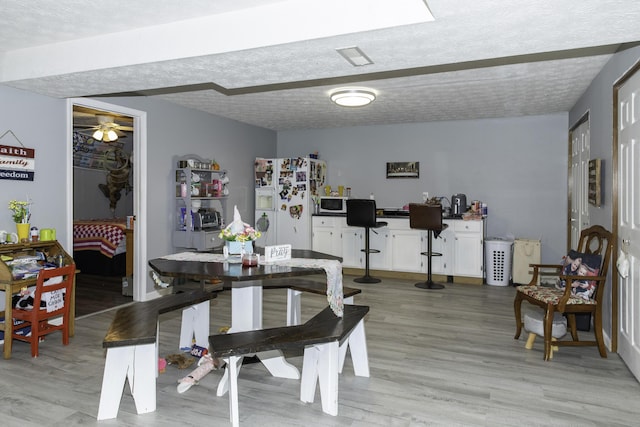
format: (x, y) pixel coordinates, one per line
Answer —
(557, 268)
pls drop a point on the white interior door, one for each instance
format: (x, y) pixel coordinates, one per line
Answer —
(629, 221)
(580, 153)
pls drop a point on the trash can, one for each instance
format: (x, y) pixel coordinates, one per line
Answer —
(498, 261)
(525, 252)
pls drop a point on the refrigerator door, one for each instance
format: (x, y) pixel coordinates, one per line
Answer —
(265, 199)
(297, 182)
(266, 224)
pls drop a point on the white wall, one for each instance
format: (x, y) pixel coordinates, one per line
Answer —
(518, 166)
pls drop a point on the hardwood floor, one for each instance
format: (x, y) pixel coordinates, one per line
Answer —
(444, 357)
(96, 293)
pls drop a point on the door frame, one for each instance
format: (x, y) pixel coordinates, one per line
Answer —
(616, 203)
(584, 118)
(139, 185)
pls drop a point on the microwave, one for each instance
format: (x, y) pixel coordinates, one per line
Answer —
(337, 205)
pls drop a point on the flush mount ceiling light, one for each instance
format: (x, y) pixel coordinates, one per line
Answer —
(353, 97)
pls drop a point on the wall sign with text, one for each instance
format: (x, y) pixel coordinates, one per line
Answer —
(17, 163)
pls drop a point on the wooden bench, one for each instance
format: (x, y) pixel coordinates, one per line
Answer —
(321, 337)
(296, 286)
(132, 348)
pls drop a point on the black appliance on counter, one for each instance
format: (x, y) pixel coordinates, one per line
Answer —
(458, 204)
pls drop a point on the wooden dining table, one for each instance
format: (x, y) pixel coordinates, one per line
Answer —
(246, 284)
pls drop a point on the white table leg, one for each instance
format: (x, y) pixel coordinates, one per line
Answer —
(246, 315)
(195, 323)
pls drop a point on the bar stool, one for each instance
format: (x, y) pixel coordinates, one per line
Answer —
(427, 217)
(362, 213)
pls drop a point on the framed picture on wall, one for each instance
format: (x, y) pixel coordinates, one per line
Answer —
(595, 177)
(403, 169)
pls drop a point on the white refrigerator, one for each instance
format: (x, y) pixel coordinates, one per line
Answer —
(292, 182)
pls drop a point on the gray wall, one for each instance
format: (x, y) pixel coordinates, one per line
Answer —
(40, 123)
(518, 166)
(598, 101)
(173, 131)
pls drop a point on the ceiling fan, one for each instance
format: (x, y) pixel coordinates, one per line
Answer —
(106, 129)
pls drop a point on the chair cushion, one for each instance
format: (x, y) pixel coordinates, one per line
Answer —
(551, 295)
(581, 264)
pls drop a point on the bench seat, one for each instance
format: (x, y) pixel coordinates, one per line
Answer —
(132, 348)
(296, 286)
(321, 337)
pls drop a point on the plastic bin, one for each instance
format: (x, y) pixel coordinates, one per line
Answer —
(498, 261)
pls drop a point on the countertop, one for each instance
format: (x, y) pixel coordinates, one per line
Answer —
(388, 215)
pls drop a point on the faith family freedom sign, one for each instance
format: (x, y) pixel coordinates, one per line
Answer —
(17, 163)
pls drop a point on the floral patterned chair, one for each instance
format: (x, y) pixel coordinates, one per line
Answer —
(575, 291)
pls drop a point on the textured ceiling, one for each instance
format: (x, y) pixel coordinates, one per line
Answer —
(272, 63)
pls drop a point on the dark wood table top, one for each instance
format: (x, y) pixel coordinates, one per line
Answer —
(228, 271)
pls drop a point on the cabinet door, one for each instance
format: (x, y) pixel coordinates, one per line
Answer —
(468, 249)
(442, 244)
(326, 236)
(351, 247)
(379, 238)
(406, 246)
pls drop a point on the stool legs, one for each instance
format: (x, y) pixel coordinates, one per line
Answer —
(429, 284)
(367, 277)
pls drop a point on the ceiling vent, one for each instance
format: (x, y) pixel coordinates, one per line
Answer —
(355, 56)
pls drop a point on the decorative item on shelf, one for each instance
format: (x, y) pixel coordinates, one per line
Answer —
(238, 235)
(214, 165)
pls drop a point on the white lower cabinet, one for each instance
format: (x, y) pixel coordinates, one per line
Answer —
(326, 235)
(400, 246)
(379, 239)
(442, 244)
(406, 246)
(352, 244)
(468, 248)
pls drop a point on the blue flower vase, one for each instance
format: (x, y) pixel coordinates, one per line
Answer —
(235, 248)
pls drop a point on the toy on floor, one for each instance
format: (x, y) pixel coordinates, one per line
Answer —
(180, 360)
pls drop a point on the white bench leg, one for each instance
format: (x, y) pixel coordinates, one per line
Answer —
(321, 362)
(138, 365)
(234, 363)
(357, 341)
(195, 323)
(309, 374)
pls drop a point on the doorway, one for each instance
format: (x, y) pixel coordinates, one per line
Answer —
(580, 152)
(138, 162)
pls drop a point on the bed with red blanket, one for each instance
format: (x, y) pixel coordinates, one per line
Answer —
(100, 246)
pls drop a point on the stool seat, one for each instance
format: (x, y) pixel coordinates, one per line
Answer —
(534, 324)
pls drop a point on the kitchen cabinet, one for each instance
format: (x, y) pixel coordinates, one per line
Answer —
(461, 246)
(200, 203)
(406, 245)
(327, 235)
(442, 244)
(379, 239)
(352, 244)
(468, 248)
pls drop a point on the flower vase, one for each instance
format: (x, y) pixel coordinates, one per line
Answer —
(237, 248)
(23, 230)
